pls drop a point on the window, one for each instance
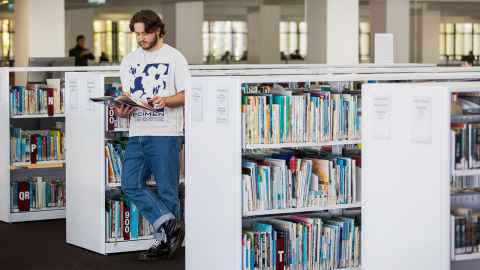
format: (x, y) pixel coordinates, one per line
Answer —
(6, 41)
(113, 38)
(364, 45)
(293, 37)
(458, 39)
(220, 37)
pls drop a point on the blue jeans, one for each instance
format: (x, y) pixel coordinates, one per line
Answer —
(158, 155)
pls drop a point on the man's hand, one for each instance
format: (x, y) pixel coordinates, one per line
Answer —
(159, 102)
(170, 101)
(123, 111)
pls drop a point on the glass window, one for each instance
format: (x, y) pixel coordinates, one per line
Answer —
(220, 37)
(476, 39)
(293, 37)
(364, 46)
(303, 38)
(449, 39)
(442, 42)
(113, 38)
(6, 41)
(457, 40)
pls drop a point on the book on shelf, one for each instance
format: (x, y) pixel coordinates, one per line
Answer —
(124, 222)
(466, 230)
(302, 179)
(465, 138)
(36, 145)
(114, 156)
(37, 99)
(289, 116)
(300, 242)
(37, 194)
(465, 183)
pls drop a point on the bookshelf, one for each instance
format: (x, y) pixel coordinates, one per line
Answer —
(45, 177)
(88, 188)
(214, 136)
(420, 162)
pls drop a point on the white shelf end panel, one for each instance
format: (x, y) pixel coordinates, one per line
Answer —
(405, 161)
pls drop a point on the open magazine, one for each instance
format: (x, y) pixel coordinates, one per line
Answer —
(124, 100)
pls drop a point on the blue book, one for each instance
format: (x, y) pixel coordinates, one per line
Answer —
(134, 221)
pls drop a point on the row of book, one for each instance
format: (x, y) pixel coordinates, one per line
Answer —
(37, 194)
(301, 242)
(36, 145)
(124, 222)
(36, 99)
(114, 156)
(285, 180)
(467, 231)
(465, 183)
(465, 139)
(300, 117)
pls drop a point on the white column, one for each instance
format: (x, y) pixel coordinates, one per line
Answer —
(263, 26)
(39, 29)
(79, 22)
(184, 21)
(393, 16)
(430, 34)
(333, 27)
(398, 23)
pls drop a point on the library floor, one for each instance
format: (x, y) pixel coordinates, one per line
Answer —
(41, 245)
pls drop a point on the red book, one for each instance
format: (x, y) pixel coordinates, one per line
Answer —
(33, 148)
(280, 252)
(50, 102)
(126, 222)
(23, 201)
(110, 118)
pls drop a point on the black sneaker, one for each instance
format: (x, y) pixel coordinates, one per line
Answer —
(155, 252)
(175, 234)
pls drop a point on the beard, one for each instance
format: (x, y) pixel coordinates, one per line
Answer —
(148, 45)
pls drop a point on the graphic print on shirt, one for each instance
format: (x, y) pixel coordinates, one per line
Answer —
(146, 82)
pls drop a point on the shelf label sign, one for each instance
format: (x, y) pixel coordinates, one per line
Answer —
(421, 120)
(73, 89)
(382, 110)
(222, 106)
(197, 104)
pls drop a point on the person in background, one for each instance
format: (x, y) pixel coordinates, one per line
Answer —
(81, 54)
(469, 59)
(157, 74)
(103, 59)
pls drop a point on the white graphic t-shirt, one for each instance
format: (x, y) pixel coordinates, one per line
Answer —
(161, 73)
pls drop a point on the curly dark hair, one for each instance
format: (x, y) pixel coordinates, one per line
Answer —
(151, 21)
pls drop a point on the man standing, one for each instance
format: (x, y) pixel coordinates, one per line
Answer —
(157, 74)
(81, 54)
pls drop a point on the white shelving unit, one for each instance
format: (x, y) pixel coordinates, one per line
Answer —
(10, 171)
(214, 196)
(406, 157)
(85, 140)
